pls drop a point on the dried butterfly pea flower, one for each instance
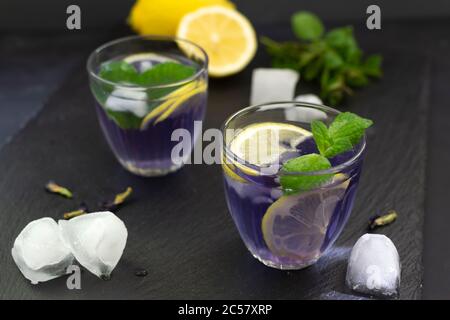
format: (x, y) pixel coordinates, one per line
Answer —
(118, 200)
(83, 209)
(379, 221)
(141, 273)
(52, 187)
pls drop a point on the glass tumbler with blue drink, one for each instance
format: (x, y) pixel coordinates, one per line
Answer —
(291, 171)
(146, 87)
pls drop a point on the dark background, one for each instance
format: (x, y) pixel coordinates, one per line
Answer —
(102, 14)
(25, 24)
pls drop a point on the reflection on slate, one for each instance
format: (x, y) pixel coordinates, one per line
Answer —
(179, 227)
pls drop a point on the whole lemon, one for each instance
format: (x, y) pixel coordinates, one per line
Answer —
(161, 17)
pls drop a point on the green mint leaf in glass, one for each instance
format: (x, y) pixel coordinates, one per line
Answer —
(163, 74)
(343, 134)
(119, 72)
(307, 163)
(124, 73)
(321, 136)
(307, 26)
(349, 125)
(339, 145)
(125, 119)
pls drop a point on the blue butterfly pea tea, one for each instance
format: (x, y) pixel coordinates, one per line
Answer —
(145, 89)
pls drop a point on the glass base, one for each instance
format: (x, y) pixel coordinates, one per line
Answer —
(149, 172)
(285, 266)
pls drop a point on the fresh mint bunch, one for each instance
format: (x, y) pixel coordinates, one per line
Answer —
(121, 72)
(342, 135)
(332, 59)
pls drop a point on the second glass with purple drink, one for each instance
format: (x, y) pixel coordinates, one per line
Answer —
(286, 217)
(145, 88)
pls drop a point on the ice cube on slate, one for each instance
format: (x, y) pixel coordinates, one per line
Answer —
(374, 266)
(271, 85)
(309, 98)
(127, 100)
(97, 241)
(40, 252)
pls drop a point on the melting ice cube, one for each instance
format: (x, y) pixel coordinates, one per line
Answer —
(127, 100)
(39, 251)
(97, 241)
(271, 85)
(374, 266)
(305, 114)
(309, 98)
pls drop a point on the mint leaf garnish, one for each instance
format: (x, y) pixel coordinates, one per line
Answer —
(164, 73)
(307, 26)
(349, 125)
(339, 145)
(343, 134)
(122, 72)
(118, 71)
(321, 136)
(306, 163)
(125, 119)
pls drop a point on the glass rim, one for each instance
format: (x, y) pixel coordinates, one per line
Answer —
(334, 169)
(109, 44)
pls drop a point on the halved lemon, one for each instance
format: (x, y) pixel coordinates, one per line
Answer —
(296, 225)
(225, 34)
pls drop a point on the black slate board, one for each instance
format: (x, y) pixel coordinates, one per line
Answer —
(179, 226)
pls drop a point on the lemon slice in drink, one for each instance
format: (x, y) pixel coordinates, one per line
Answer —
(226, 35)
(263, 143)
(173, 101)
(295, 225)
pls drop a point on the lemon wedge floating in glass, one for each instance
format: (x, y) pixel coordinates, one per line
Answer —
(296, 225)
(225, 34)
(229, 171)
(173, 101)
(263, 143)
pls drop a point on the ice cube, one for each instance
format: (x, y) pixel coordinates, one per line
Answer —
(127, 100)
(309, 98)
(271, 85)
(374, 266)
(305, 114)
(144, 66)
(97, 241)
(40, 252)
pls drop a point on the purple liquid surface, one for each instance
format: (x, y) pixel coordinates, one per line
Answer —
(150, 148)
(249, 201)
(147, 151)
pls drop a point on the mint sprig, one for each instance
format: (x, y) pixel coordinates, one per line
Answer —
(343, 134)
(307, 163)
(333, 59)
(121, 72)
